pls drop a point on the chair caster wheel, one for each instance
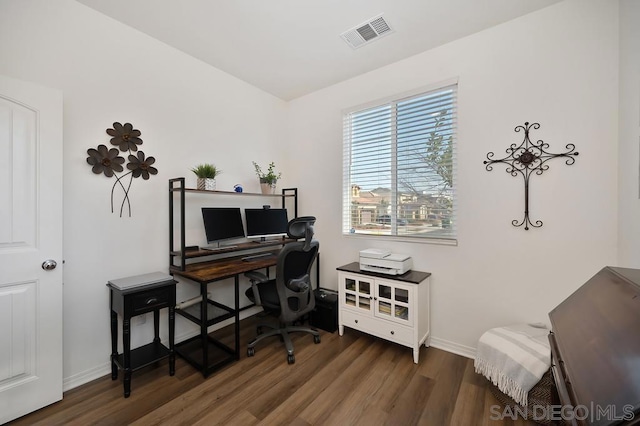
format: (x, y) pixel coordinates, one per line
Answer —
(291, 359)
(316, 339)
(251, 351)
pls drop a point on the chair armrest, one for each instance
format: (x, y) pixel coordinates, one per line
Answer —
(256, 277)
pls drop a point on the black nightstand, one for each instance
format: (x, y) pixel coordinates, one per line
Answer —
(134, 296)
(325, 314)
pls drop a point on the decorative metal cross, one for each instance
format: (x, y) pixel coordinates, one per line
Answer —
(526, 158)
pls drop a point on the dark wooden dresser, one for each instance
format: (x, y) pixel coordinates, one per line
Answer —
(595, 349)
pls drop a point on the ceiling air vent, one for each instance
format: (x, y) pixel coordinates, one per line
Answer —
(366, 32)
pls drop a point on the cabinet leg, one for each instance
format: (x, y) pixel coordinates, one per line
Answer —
(416, 355)
(114, 367)
(114, 345)
(126, 355)
(156, 326)
(341, 329)
(127, 383)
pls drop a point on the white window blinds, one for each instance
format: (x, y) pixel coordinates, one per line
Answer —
(399, 167)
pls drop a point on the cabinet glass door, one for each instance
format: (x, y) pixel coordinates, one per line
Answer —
(349, 293)
(384, 300)
(393, 302)
(357, 292)
(364, 295)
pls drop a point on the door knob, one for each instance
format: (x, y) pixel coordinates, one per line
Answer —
(49, 264)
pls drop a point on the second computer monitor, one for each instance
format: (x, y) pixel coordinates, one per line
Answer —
(266, 223)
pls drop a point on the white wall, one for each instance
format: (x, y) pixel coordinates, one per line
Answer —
(188, 113)
(558, 67)
(629, 157)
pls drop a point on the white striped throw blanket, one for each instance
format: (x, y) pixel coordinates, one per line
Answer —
(514, 358)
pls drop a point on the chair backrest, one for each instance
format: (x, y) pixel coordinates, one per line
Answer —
(293, 270)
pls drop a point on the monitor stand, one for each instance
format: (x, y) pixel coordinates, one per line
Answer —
(218, 247)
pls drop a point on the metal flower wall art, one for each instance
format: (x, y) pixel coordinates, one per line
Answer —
(108, 161)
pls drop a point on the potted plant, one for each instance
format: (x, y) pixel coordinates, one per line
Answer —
(269, 179)
(206, 174)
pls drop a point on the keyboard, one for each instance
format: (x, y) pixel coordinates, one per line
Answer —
(256, 256)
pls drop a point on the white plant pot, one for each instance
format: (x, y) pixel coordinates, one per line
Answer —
(267, 188)
(206, 184)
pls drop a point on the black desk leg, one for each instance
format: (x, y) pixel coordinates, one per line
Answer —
(237, 317)
(203, 330)
(172, 323)
(114, 344)
(126, 347)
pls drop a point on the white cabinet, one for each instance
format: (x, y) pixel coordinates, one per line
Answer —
(395, 308)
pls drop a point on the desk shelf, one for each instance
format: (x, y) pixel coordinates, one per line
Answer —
(191, 254)
(232, 193)
(216, 312)
(205, 352)
(217, 354)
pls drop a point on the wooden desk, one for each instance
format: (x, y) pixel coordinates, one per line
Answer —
(203, 351)
(595, 350)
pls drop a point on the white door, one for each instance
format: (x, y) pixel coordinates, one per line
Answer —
(30, 234)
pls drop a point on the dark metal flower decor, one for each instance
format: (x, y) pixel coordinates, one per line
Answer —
(107, 161)
(526, 158)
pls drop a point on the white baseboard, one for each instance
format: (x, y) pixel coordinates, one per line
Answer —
(104, 369)
(86, 376)
(453, 347)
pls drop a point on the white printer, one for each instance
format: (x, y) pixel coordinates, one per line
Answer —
(385, 262)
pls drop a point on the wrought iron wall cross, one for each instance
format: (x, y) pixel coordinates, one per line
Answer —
(525, 159)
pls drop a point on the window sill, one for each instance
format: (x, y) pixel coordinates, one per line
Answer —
(418, 240)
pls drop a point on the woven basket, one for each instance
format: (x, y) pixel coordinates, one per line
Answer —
(541, 395)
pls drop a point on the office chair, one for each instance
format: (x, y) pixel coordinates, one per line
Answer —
(290, 293)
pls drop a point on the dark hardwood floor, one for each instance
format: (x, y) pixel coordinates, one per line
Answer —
(351, 380)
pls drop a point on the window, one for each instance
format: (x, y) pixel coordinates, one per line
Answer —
(399, 167)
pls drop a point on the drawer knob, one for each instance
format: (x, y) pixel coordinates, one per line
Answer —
(356, 321)
(151, 300)
(393, 332)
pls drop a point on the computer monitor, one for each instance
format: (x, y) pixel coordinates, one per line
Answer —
(221, 224)
(266, 223)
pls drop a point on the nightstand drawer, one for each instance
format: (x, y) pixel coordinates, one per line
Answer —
(148, 301)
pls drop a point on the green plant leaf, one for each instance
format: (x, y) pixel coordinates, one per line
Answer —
(206, 171)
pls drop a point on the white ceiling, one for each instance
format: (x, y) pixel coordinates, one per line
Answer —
(293, 47)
